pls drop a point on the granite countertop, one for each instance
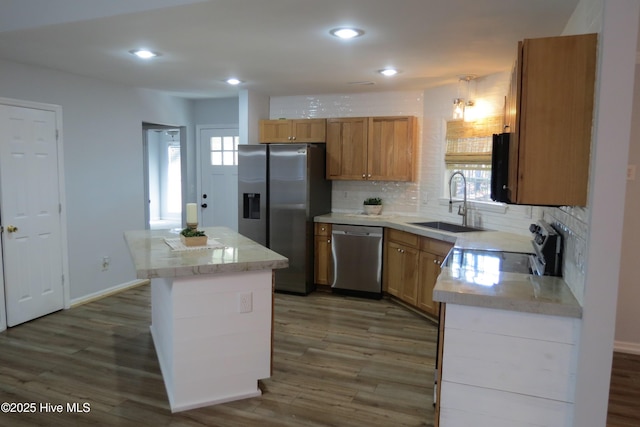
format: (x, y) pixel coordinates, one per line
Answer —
(502, 290)
(152, 256)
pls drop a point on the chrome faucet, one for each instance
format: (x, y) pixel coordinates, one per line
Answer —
(462, 209)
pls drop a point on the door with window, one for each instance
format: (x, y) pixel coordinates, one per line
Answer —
(31, 212)
(219, 177)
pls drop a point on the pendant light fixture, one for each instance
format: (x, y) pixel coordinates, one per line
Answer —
(460, 103)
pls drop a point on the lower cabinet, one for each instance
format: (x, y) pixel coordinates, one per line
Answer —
(401, 271)
(411, 268)
(322, 271)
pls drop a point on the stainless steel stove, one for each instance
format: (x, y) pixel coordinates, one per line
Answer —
(547, 244)
(545, 258)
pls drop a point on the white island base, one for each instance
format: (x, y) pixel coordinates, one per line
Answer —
(212, 334)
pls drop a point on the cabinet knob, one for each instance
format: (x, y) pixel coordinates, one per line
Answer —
(328, 240)
(435, 261)
(322, 228)
(364, 176)
(293, 138)
(369, 176)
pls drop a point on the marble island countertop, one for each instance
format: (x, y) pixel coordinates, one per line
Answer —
(502, 290)
(153, 257)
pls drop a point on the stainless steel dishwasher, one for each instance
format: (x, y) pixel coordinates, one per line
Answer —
(357, 260)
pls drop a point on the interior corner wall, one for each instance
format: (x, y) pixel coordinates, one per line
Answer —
(253, 106)
(103, 158)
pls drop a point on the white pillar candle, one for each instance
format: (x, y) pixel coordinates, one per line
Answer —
(192, 213)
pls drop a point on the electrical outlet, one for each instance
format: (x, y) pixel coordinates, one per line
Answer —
(105, 263)
(245, 302)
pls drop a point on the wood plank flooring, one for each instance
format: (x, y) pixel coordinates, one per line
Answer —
(338, 361)
(624, 394)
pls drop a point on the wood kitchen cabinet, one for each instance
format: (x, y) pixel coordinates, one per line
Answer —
(372, 148)
(401, 258)
(548, 113)
(391, 148)
(432, 253)
(411, 268)
(323, 265)
(293, 131)
(347, 148)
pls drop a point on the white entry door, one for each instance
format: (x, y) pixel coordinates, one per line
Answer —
(32, 243)
(219, 177)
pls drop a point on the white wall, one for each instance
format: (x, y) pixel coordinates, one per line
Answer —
(102, 125)
(628, 314)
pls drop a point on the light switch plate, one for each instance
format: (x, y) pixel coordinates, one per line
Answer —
(631, 172)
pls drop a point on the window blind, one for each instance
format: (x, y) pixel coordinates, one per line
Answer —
(469, 143)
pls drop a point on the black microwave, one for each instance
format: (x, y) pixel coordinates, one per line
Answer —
(500, 168)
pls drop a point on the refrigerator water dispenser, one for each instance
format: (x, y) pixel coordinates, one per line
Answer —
(251, 205)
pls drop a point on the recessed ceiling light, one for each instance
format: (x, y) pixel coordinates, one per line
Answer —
(233, 81)
(388, 71)
(144, 53)
(346, 33)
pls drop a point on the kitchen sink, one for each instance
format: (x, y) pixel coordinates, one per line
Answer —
(446, 226)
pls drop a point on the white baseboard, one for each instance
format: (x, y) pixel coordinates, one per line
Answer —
(107, 292)
(626, 347)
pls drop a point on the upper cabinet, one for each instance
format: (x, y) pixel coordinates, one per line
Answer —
(372, 148)
(549, 112)
(347, 148)
(293, 131)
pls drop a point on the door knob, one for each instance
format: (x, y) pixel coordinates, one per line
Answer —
(204, 205)
(12, 228)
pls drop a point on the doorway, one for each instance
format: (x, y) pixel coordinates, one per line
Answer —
(33, 212)
(163, 171)
(218, 177)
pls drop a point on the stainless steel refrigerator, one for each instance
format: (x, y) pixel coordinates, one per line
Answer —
(282, 187)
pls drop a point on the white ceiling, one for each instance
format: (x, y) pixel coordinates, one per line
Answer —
(278, 47)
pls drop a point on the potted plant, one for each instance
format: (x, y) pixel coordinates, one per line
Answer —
(193, 237)
(373, 206)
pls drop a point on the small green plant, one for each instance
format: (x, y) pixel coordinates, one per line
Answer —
(373, 201)
(190, 232)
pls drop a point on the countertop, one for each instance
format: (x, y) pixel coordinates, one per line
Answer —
(152, 256)
(508, 291)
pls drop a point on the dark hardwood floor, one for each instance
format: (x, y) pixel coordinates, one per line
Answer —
(338, 361)
(624, 394)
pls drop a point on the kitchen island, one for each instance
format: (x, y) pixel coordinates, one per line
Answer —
(211, 313)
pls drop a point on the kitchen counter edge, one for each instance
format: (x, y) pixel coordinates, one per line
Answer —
(153, 258)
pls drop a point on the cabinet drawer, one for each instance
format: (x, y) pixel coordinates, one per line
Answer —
(435, 246)
(322, 229)
(408, 239)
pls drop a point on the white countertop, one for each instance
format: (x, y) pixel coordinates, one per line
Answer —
(152, 256)
(509, 291)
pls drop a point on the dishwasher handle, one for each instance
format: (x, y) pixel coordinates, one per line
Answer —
(356, 233)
